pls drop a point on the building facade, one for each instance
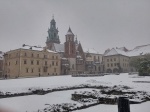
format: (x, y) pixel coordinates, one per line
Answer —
(26, 62)
(1, 63)
(116, 64)
(94, 62)
(116, 61)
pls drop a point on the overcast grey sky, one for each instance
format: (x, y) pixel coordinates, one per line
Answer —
(98, 24)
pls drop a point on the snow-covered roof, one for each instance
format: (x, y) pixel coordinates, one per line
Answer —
(37, 49)
(78, 56)
(33, 48)
(69, 32)
(59, 47)
(91, 50)
(137, 51)
(1, 55)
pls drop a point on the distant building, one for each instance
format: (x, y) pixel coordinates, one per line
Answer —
(1, 63)
(71, 52)
(33, 62)
(93, 64)
(118, 59)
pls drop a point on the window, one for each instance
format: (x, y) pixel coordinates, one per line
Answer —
(16, 62)
(37, 62)
(45, 56)
(115, 64)
(39, 70)
(94, 58)
(9, 64)
(31, 62)
(114, 59)
(45, 69)
(99, 68)
(110, 59)
(52, 57)
(25, 61)
(27, 70)
(52, 63)
(107, 60)
(38, 55)
(45, 62)
(111, 65)
(25, 54)
(32, 70)
(56, 57)
(56, 63)
(32, 55)
(107, 65)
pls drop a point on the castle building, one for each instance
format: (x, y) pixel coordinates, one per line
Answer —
(71, 52)
(31, 62)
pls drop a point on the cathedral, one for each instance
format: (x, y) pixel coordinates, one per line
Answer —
(71, 52)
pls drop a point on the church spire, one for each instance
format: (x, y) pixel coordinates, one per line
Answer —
(76, 41)
(69, 32)
(53, 36)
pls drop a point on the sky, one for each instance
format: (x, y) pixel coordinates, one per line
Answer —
(98, 24)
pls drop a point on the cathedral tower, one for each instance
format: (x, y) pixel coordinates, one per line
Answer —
(70, 46)
(53, 36)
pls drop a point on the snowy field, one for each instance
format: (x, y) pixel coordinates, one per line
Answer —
(32, 103)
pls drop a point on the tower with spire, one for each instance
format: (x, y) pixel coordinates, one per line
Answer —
(53, 36)
(70, 45)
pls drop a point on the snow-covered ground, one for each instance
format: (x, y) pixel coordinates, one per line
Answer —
(34, 102)
(144, 107)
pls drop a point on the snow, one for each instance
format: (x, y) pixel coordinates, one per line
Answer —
(33, 48)
(37, 49)
(69, 33)
(59, 47)
(144, 107)
(137, 51)
(1, 55)
(21, 85)
(35, 102)
(32, 102)
(90, 50)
